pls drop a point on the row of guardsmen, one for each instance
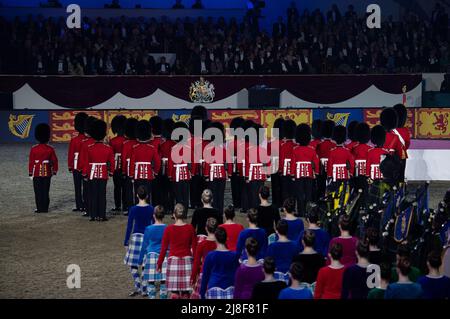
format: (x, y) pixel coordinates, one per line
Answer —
(306, 161)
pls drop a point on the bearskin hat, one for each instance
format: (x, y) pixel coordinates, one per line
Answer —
(156, 123)
(388, 119)
(326, 128)
(362, 133)
(130, 128)
(42, 133)
(402, 114)
(279, 124)
(98, 130)
(236, 122)
(167, 128)
(340, 134)
(219, 126)
(289, 129)
(80, 118)
(352, 130)
(315, 128)
(88, 124)
(378, 135)
(143, 130)
(303, 134)
(118, 124)
(199, 112)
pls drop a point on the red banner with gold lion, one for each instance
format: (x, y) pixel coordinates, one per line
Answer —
(433, 123)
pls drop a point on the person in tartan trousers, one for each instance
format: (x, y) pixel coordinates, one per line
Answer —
(73, 160)
(181, 239)
(118, 128)
(42, 165)
(128, 144)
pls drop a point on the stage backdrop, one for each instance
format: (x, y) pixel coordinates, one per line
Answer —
(184, 92)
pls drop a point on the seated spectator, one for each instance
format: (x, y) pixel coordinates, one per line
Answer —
(162, 67)
(385, 277)
(249, 273)
(233, 229)
(252, 231)
(321, 237)
(197, 4)
(434, 284)
(404, 288)
(178, 5)
(269, 288)
(347, 241)
(295, 224)
(283, 250)
(310, 259)
(295, 291)
(354, 282)
(329, 279)
(268, 214)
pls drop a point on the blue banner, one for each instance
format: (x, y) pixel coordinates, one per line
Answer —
(339, 116)
(176, 115)
(18, 126)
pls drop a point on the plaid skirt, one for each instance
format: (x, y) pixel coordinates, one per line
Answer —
(149, 273)
(178, 275)
(219, 293)
(279, 276)
(134, 250)
(197, 286)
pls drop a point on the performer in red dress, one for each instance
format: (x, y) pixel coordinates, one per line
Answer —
(73, 159)
(42, 165)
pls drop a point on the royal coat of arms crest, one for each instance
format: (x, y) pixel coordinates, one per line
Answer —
(201, 91)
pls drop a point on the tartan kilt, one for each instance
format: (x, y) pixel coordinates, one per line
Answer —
(149, 273)
(219, 293)
(279, 276)
(196, 288)
(178, 275)
(134, 250)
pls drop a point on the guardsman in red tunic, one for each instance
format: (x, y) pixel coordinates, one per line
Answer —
(235, 173)
(118, 128)
(156, 123)
(273, 147)
(389, 120)
(340, 167)
(215, 169)
(374, 158)
(304, 168)
(323, 151)
(197, 145)
(165, 151)
(42, 165)
(360, 152)
(179, 170)
(99, 160)
(403, 133)
(130, 135)
(88, 140)
(73, 160)
(316, 133)
(352, 140)
(145, 161)
(286, 147)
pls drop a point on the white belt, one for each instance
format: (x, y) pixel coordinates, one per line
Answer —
(287, 162)
(75, 160)
(164, 161)
(335, 167)
(299, 164)
(136, 167)
(211, 169)
(250, 174)
(373, 167)
(128, 166)
(275, 164)
(117, 158)
(94, 167)
(357, 162)
(177, 171)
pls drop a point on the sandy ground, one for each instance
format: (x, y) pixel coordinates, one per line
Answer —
(36, 249)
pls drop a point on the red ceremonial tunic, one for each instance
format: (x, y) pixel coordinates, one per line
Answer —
(340, 163)
(360, 152)
(404, 135)
(144, 161)
(100, 161)
(178, 163)
(83, 150)
(127, 149)
(215, 168)
(254, 163)
(374, 158)
(323, 151)
(315, 142)
(42, 161)
(286, 157)
(166, 149)
(305, 162)
(73, 156)
(117, 146)
(393, 145)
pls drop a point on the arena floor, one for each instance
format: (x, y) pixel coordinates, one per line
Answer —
(35, 249)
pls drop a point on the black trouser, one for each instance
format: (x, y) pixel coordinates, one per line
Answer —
(167, 199)
(97, 198)
(197, 186)
(253, 193)
(86, 195)
(374, 192)
(181, 191)
(119, 190)
(147, 185)
(217, 187)
(244, 194)
(287, 188)
(304, 194)
(41, 187)
(275, 180)
(129, 193)
(402, 170)
(236, 190)
(321, 185)
(360, 182)
(158, 191)
(78, 182)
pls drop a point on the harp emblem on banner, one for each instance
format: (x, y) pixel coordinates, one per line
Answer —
(338, 118)
(201, 91)
(20, 125)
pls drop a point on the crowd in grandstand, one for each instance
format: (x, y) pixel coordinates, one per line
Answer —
(307, 42)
